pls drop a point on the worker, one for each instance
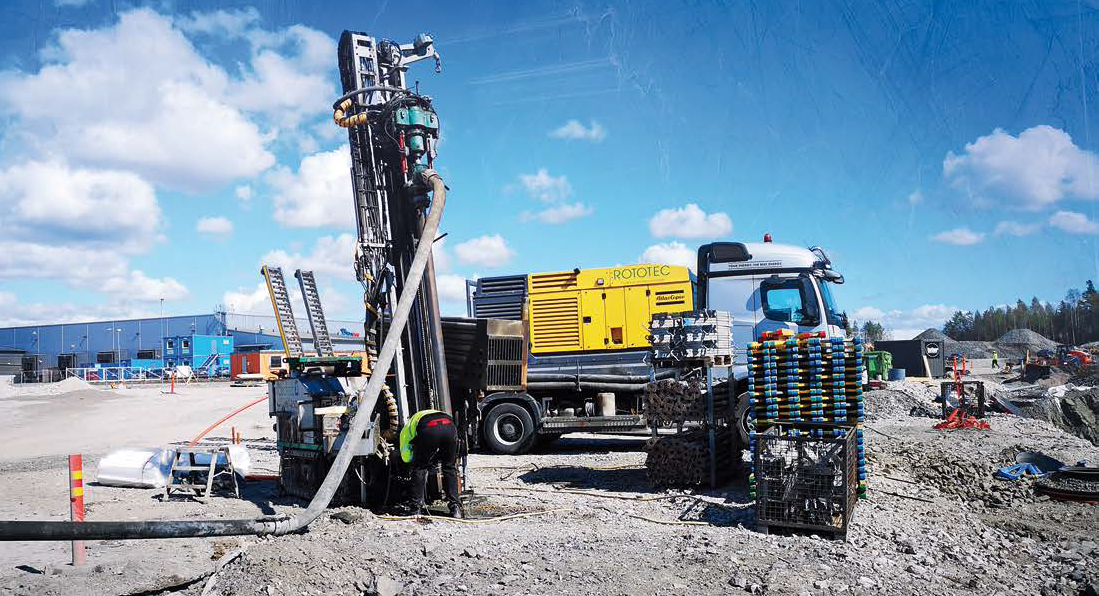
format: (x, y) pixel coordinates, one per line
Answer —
(430, 438)
(995, 356)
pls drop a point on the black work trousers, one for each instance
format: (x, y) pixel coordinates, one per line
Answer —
(436, 442)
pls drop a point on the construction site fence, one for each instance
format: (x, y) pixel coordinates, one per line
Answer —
(133, 374)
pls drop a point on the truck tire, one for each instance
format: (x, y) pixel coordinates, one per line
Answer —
(740, 420)
(509, 429)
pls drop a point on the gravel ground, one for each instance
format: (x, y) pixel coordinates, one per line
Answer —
(934, 522)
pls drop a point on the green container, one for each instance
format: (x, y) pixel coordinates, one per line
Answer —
(878, 364)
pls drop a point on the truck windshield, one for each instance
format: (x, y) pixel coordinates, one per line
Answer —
(784, 300)
(835, 316)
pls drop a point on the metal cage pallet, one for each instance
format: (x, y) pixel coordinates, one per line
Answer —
(804, 481)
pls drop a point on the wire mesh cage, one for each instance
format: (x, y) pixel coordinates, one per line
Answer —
(806, 478)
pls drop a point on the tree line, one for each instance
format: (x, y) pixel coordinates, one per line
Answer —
(1074, 320)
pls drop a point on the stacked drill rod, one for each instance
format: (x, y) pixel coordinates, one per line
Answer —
(807, 378)
(674, 401)
(684, 459)
(692, 341)
(694, 335)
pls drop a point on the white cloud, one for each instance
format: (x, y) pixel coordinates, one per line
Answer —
(545, 187)
(136, 285)
(290, 76)
(868, 313)
(452, 288)
(1014, 228)
(554, 191)
(241, 300)
(15, 311)
(558, 213)
(690, 221)
(440, 256)
(244, 194)
(915, 197)
(215, 226)
(573, 130)
(671, 253)
(289, 70)
(1074, 223)
(221, 23)
(161, 112)
(52, 203)
(488, 250)
(257, 301)
(1034, 170)
(959, 237)
(331, 256)
(77, 225)
(905, 324)
(318, 195)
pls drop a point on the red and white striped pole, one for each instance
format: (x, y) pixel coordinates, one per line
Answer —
(76, 500)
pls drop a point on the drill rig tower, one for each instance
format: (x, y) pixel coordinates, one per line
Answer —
(393, 132)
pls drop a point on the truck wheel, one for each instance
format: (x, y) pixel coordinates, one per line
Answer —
(509, 429)
(740, 420)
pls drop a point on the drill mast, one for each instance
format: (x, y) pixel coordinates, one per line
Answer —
(393, 132)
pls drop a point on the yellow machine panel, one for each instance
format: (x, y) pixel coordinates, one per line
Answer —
(608, 308)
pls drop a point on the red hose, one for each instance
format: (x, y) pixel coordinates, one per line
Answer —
(228, 416)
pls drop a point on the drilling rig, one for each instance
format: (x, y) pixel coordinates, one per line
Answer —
(393, 134)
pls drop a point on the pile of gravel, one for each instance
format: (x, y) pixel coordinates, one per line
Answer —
(898, 401)
(932, 333)
(1025, 337)
(1013, 344)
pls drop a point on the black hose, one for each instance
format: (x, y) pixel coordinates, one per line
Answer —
(123, 530)
(586, 386)
(336, 104)
(597, 378)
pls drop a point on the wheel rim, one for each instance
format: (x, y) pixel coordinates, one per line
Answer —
(508, 429)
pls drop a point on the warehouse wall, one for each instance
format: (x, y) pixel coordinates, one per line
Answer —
(86, 340)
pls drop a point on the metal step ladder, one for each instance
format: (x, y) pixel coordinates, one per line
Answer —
(322, 342)
(284, 315)
(194, 478)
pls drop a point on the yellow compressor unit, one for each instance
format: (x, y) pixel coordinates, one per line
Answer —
(609, 308)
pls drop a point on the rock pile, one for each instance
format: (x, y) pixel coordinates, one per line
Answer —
(901, 400)
(1013, 344)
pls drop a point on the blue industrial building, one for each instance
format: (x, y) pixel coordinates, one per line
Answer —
(144, 342)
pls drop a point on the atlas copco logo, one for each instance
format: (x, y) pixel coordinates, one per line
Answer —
(641, 272)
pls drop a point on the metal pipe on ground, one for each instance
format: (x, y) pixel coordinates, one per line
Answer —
(597, 378)
(585, 386)
(276, 524)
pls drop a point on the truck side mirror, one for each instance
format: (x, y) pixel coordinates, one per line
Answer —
(812, 313)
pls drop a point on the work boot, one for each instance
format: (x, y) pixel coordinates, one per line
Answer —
(456, 511)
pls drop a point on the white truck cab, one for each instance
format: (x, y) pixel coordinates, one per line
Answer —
(768, 286)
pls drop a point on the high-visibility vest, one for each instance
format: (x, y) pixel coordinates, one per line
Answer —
(409, 432)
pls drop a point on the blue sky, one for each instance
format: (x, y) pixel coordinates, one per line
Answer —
(944, 152)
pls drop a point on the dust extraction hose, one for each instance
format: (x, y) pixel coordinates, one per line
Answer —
(274, 524)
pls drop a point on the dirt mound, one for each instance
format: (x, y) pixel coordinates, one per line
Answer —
(9, 389)
(1028, 338)
(931, 333)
